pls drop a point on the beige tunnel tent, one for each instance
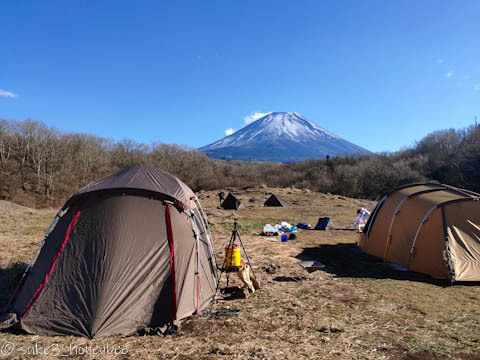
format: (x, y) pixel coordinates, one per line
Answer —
(131, 251)
(428, 228)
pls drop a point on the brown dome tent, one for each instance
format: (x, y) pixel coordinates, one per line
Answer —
(131, 251)
(428, 228)
(274, 200)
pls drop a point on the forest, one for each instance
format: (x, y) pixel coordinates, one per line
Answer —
(42, 166)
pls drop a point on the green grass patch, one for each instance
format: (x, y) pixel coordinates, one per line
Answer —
(244, 226)
(34, 230)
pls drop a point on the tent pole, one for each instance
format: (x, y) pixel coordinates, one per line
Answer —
(389, 236)
(209, 247)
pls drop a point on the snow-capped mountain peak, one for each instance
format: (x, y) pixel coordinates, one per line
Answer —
(280, 130)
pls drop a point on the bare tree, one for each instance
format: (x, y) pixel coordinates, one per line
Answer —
(42, 137)
(6, 144)
(22, 143)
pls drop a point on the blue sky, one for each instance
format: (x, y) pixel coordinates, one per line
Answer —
(381, 74)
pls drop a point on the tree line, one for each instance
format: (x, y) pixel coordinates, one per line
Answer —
(42, 166)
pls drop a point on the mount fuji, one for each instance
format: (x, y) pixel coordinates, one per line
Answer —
(281, 137)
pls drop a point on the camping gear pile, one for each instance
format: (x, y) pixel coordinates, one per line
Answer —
(284, 230)
(428, 228)
(278, 229)
(129, 252)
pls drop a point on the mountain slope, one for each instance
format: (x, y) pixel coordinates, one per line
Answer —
(280, 136)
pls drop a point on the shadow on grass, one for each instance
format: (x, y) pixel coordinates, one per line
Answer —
(348, 260)
(9, 278)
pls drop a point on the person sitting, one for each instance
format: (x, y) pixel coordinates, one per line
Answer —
(361, 219)
(221, 197)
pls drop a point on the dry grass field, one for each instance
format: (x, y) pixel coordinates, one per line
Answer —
(355, 308)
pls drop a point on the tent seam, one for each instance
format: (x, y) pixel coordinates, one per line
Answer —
(172, 258)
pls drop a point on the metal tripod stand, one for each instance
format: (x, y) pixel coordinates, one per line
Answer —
(231, 243)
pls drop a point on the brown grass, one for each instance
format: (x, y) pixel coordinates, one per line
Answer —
(357, 308)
